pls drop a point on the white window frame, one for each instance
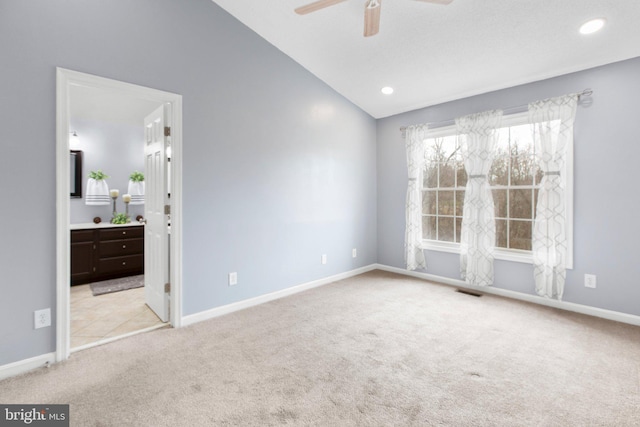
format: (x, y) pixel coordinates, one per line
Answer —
(514, 255)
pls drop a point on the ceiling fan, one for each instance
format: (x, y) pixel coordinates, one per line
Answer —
(371, 12)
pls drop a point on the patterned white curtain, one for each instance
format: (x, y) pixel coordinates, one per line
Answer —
(414, 140)
(552, 123)
(478, 135)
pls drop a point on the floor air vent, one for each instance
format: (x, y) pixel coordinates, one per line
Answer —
(467, 292)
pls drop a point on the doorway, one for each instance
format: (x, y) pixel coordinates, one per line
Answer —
(101, 318)
(67, 82)
(108, 298)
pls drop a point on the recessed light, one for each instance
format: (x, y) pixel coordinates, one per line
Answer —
(387, 90)
(592, 26)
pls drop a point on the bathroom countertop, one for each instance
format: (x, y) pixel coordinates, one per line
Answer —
(90, 225)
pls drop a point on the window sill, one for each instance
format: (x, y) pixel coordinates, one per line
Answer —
(512, 255)
(501, 254)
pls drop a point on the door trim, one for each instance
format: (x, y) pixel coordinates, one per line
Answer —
(64, 80)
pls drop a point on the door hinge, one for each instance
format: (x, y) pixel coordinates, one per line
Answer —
(167, 209)
(167, 131)
(167, 288)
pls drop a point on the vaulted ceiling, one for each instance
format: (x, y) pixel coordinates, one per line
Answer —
(432, 53)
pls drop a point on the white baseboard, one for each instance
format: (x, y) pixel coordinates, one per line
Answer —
(241, 305)
(22, 366)
(563, 305)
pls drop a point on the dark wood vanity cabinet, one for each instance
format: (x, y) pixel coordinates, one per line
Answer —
(82, 244)
(106, 253)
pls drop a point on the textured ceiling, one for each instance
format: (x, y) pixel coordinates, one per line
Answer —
(432, 53)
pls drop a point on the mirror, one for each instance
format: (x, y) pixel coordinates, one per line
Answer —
(75, 167)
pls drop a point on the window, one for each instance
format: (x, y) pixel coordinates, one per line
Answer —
(514, 179)
(443, 185)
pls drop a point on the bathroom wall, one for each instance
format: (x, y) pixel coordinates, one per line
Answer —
(118, 150)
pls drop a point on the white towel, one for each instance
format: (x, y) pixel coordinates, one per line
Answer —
(97, 193)
(136, 189)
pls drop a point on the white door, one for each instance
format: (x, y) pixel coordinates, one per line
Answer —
(156, 239)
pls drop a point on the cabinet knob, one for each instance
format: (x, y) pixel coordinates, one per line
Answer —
(124, 246)
(124, 263)
(124, 232)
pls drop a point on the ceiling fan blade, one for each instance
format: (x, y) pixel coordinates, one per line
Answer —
(436, 1)
(316, 5)
(372, 17)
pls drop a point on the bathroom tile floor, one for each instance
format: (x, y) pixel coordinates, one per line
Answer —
(106, 316)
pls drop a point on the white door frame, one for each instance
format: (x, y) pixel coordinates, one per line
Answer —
(65, 79)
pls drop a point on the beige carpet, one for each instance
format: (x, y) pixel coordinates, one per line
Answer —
(375, 350)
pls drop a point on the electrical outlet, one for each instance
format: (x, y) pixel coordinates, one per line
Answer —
(324, 258)
(354, 253)
(233, 279)
(590, 280)
(42, 318)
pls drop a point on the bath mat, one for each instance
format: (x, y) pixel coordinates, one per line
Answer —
(116, 285)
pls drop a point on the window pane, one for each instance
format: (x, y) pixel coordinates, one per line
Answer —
(430, 176)
(535, 202)
(520, 203)
(445, 229)
(447, 174)
(458, 229)
(502, 144)
(441, 150)
(445, 203)
(522, 137)
(500, 203)
(499, 172)
(520, 235)
(459, 202)
(431, 153)
(522, 170)
(448, 148)
(429, 227)
(501, 233)
(429, 202)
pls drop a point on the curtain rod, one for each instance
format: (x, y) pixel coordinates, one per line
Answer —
(512, 110)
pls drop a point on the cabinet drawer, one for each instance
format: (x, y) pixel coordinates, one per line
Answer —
(121, 264)
(121, 233)
(113, 248)
(81, 236)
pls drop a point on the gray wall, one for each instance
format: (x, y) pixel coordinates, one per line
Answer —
(607, 149)
(115, 148)
(278, 168)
